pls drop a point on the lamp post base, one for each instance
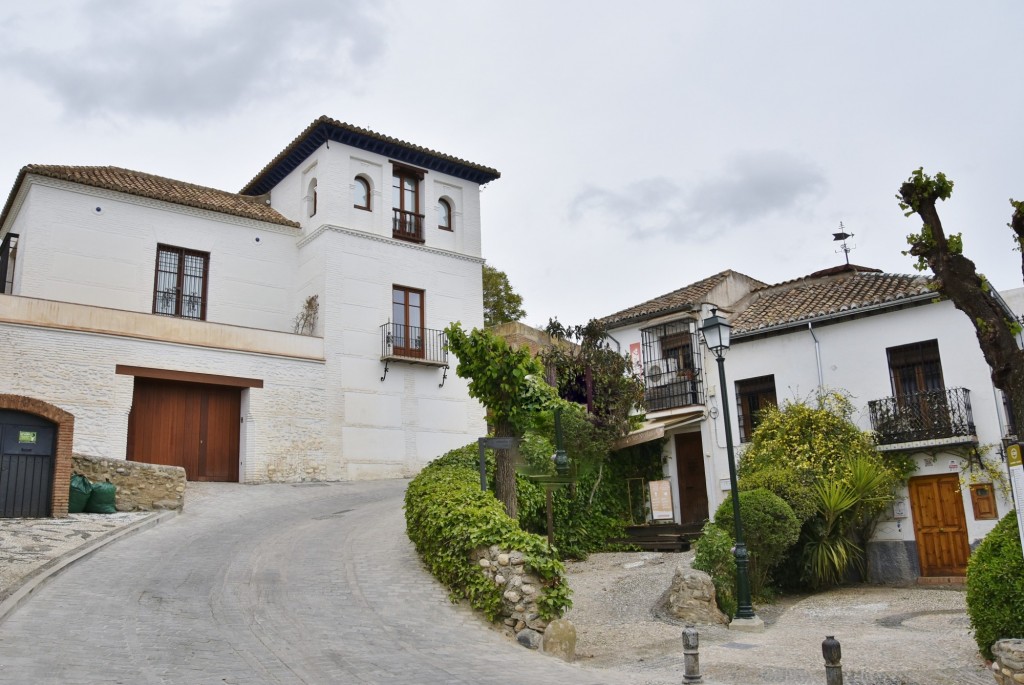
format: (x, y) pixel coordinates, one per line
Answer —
(747, 625)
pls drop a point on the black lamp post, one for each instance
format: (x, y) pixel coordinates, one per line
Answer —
(716, 336)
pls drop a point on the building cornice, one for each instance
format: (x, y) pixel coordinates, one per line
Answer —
(329, 228)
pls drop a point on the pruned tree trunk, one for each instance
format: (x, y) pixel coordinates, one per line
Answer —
(957, 278)
(505, 471)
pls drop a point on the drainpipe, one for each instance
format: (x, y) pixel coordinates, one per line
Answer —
(817, 355)
(618, 347)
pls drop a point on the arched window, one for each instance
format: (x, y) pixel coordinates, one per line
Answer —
(361, 195)
(311, 198)
(444, 220)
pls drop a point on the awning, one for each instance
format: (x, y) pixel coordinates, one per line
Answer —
(656, 428)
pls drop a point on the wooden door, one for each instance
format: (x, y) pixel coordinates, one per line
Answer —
(693, 489)
(940, 525)
(190, 425)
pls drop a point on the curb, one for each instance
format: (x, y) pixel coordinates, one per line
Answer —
(26, 587)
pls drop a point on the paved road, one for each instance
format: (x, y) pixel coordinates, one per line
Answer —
(312, 583)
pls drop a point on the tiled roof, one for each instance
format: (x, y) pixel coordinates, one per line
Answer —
(156, 188)
(326, 128)
(815, 297)
(685, 297)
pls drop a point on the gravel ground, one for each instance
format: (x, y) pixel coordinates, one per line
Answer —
(902, 636)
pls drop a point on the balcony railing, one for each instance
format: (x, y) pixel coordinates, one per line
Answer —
(670, 389)
(413, 344)
(407, 226)
(934, 415)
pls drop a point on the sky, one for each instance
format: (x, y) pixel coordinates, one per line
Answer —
(642, 146)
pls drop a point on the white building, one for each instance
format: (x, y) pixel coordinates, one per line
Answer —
(162, 315)
(911, 363)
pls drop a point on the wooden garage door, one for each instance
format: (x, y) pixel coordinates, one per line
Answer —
(191, 425)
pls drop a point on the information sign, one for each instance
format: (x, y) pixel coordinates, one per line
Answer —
(661, 500)
(1016, 465)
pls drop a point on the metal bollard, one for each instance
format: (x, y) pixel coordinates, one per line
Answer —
(691, 656)
(833, 653)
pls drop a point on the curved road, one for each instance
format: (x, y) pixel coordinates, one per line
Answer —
(306, 583)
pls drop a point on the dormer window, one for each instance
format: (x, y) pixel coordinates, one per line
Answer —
(361, 194)
(444, 216)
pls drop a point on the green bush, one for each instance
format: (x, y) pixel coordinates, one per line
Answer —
(769, 529)
(787, 485)
(714, 556)
(995, 586)
(447, 517)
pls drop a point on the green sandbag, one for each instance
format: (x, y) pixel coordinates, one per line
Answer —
(81, 488)
(101, 499)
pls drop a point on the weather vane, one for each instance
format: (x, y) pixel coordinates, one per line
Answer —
(843, 235)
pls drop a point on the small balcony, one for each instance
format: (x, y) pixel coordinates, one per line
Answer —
(665, 388)
(407, 226)
(934, 417)
(413, 344)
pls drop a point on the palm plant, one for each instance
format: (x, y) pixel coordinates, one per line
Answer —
(846, 511)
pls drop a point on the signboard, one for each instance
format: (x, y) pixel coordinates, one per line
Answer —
(27, 437)
(953, 465)
(1016, 468)
(661, 500)
(634, 356)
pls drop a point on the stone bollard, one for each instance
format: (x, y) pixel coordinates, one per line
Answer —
(833, 653)
(691, 656)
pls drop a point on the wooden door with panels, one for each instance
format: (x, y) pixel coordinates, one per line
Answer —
(693, 488)
(940, 525)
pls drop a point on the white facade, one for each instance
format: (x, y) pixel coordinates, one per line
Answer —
(843, 349)
(78, 313)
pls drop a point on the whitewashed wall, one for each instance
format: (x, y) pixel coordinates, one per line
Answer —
(283, 422)
(853, 358)
(94, 247)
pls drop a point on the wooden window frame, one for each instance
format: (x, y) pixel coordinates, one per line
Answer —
(915, 357)
(442, 202)
(403, 338)
(368, 207)
(752, 396)
(179, 283)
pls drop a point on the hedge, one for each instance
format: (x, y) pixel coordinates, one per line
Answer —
(995, 586)
(447, 517)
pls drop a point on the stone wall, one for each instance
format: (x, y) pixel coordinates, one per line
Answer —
(520, 592)
(1008, 667)
(140, 487)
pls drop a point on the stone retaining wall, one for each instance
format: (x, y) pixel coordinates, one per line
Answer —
(140, 487)
(1008, 666)
(520, 592)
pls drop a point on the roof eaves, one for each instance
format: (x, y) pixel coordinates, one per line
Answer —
(325, 128)
(800, 321)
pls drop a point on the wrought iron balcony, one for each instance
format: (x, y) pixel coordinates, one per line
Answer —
(665, 388)
(413, 344)
(407, 226)
(922, 416)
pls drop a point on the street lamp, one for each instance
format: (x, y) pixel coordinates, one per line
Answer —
(716, 336)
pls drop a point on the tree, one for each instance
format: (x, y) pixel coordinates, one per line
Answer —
(509, 383)
(957, 279)
(589, 372)
(501, 302)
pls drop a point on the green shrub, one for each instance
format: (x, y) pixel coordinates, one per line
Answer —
(714, 556)
(787, 485)
(447, 517)
(995, 586)
(769, 529)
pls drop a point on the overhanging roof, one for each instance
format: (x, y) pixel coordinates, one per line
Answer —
(655, 429)
(326, 129)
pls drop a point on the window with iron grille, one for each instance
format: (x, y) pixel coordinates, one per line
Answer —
(672, 374)
(180, 288)
(752, 396)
